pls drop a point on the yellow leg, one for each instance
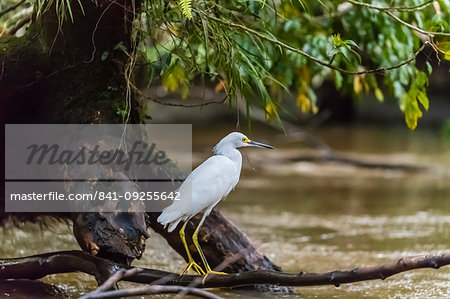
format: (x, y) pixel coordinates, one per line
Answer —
(191, 263)
(205, 262)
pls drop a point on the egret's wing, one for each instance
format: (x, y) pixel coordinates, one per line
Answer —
(203, 188)
(212, 181)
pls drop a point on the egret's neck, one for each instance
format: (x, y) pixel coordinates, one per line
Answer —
(230, 152)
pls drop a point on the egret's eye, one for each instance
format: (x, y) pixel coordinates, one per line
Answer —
(245, 140)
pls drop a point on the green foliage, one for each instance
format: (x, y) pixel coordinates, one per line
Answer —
(63, 8)
(410, 100)
(446, 128)
(260, 50)
(219, 43)
(342, 47)
(186, 8)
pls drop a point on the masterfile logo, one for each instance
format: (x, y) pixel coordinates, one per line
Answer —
(95, 168)
(140, 153)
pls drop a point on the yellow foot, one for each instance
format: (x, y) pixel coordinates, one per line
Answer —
(214, 273)
(195, 267)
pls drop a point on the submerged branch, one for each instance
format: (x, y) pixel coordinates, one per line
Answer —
(103, 291)
(39, 266)
(152, 290)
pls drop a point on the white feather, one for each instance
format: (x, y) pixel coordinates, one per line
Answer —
(209, 183)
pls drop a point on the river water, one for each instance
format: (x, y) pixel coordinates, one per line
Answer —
(314, 217)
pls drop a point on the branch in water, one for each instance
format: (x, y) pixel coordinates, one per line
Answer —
(38, 266)
(103, 290)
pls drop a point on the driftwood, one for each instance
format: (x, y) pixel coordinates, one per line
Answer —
(38, 266)
(220, 240)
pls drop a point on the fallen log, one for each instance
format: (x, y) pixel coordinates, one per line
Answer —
(220, 240)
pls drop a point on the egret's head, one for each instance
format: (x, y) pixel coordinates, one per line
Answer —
(237, 140)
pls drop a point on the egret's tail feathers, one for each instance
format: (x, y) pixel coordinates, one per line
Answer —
(173, 225)
(170, 218)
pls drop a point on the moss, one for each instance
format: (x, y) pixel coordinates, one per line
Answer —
(73, 88)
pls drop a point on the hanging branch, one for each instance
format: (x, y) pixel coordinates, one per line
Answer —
(38, 266)
(276, 41)
(391, 8)
(163, 102)
(388, 11)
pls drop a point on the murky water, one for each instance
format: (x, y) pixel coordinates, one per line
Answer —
(314, 217)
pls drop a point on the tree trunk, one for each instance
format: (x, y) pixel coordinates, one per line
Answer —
(71, 73)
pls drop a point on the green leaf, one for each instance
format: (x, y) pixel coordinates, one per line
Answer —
(81, 6)
(336, 38)
(356, 54)
(105, 55)
(410, 101)
(162, 63)
(121, 47)
(412, 110)
(69, 9)
(429, 68)
(186, 8)
(350, 42)
(447, 55)
(338, 79)
(379, 94)
(421, 80)
(254, 7)
(332, 50)
(423, 99)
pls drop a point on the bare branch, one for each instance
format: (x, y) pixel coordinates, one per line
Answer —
(206, 103)
(5, 11)
(151, 290)
(19, 25)
(397, 8)
(115, 278)
(162, 102)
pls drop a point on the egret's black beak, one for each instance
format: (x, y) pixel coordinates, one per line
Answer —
(258, 144)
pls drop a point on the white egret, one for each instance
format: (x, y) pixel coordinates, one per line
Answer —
(209, 183)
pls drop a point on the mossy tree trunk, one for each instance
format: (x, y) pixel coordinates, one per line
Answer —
(75, 73)
(69, 73)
